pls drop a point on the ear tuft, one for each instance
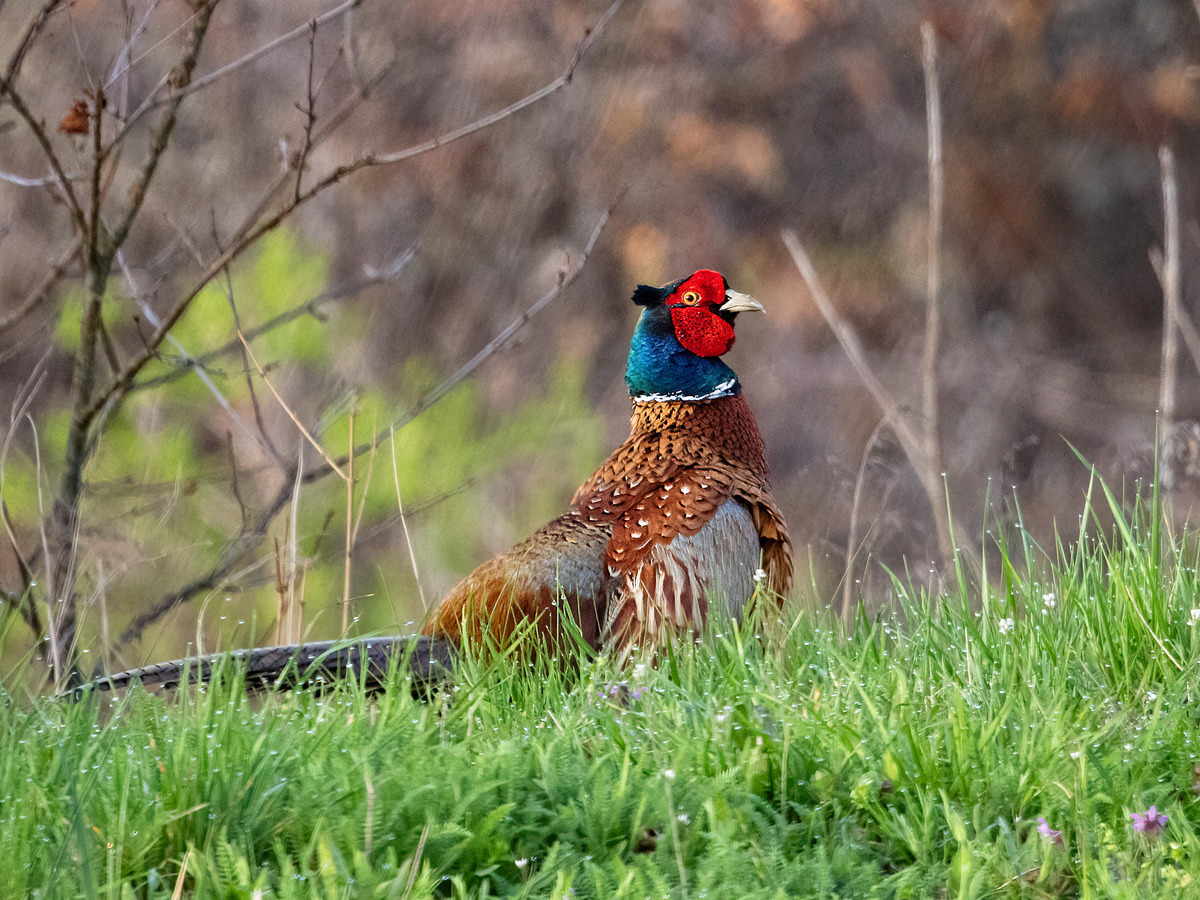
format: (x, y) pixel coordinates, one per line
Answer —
(645, 295)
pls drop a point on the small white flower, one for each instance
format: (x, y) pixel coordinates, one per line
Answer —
(1006, 625)
(1075, 754)
(522, 863)
(669, 774)
(759, 575)
(684, 819)
(1195, 614)
(639, 671)
(1049, 600)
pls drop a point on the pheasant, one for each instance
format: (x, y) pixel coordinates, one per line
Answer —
(678, 525)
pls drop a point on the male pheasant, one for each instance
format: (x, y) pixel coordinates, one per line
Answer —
(676, 526)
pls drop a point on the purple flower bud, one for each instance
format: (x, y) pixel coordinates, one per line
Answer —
(1044, 829)
(1150, 823)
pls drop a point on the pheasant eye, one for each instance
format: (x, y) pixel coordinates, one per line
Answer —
(691, 298)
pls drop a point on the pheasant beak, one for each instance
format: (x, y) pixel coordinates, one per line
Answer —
(736, 302)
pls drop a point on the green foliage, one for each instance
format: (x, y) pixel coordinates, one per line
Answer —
(900, 761)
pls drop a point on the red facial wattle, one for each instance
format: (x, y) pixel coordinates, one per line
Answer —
(701, 330)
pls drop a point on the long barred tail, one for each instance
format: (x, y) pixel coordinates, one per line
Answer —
(429, 659)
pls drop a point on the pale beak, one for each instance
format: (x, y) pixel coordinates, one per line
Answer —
(735, 302)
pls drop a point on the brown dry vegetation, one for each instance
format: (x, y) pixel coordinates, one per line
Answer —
(708, 128)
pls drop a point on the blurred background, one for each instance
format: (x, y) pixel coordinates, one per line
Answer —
(707, 127)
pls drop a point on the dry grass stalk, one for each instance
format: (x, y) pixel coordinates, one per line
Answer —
(1171, 281)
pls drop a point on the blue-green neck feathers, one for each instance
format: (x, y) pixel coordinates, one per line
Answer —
(660, 368)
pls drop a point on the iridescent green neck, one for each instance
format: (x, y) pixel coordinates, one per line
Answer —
(660, 368)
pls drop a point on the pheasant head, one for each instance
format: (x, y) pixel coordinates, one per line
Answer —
(678, 342)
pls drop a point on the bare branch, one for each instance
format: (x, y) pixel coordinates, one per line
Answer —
(217, 74)
(25, 601)
(125, 60)
(32, 30)
(1187, 328)
(47, 284)
(310, 112)
(180, 77)
(22, 181)
(566, 278)
(120, 384)
(845, 335)
(43, 139)
(487, 121)
(350, 530)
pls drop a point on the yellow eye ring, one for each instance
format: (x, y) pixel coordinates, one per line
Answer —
(691, 298)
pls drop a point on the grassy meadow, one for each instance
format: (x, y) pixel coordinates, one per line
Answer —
(1034, 738)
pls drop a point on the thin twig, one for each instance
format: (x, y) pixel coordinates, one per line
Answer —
(24, 602)
(415, 862)
(1171, 294)
(310, 112)
(1187, 328)
(32, 30)
(63, 182)
(852, 542)
(310, 307)
(125, 62)
(908, 437)
(288, 629)
(487, 121)
(199, 370)
(264, 435)
(234, 551)
(45, 287)
(412, 554)
(291, 415)
(22, 181)
(565, 279)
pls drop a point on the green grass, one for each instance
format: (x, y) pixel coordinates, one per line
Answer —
(912, 758)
